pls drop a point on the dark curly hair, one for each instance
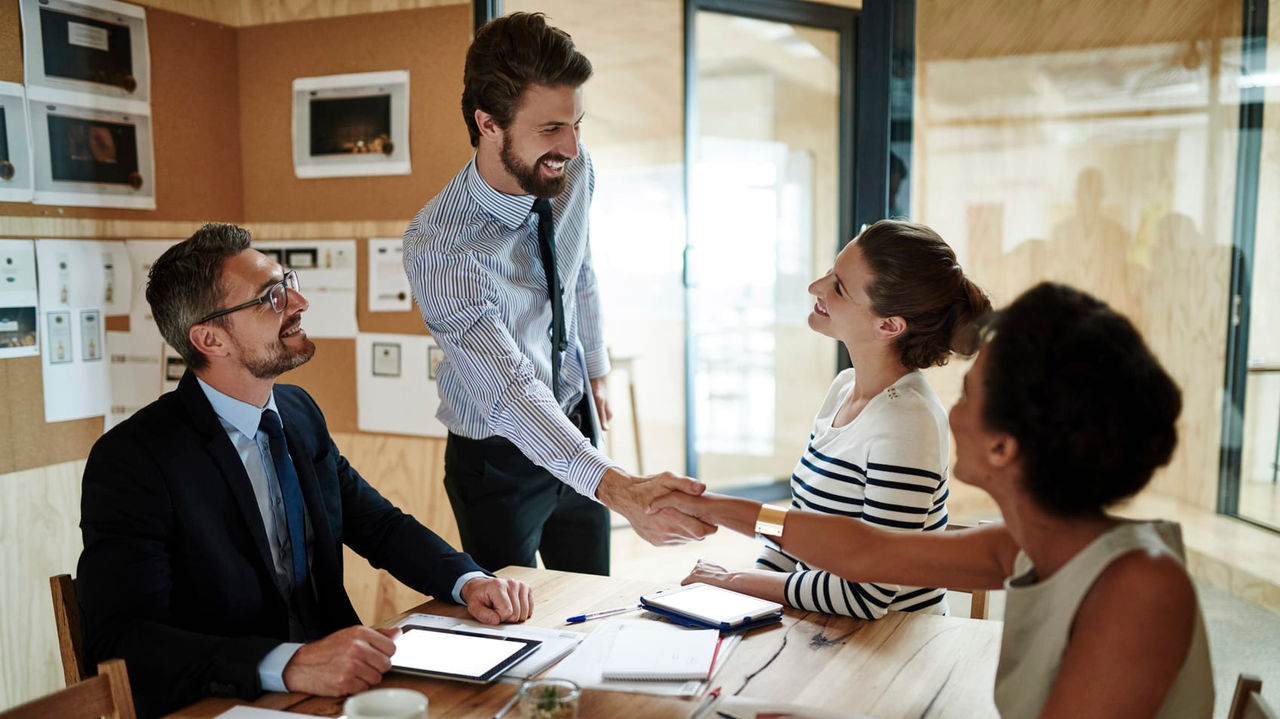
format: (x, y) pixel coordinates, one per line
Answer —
(1091, 408)
(507, 55)
(918, 279)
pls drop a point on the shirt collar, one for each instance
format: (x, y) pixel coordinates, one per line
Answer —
(511, 210)
(241, 415)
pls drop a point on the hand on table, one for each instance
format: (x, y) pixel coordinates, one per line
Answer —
(348, 661)
(494, 600)
(631, 496)
(709, 573)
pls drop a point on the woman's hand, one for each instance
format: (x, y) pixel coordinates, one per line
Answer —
(756, 582)
(710, 573)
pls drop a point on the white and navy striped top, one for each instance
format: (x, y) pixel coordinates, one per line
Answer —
(472, 259)
(888, 467)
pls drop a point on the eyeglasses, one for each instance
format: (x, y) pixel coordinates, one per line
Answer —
(277, 297)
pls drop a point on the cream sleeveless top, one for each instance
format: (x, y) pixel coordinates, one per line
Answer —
(1039, 615)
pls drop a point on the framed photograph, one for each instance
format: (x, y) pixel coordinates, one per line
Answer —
(386, 359)
(90, 157)
(18, 330)
(95, 47)
(15, 148)
(434, 355)
(59, 345)
(305, 258)
(351, 125)
(91, 335)
(275, 255)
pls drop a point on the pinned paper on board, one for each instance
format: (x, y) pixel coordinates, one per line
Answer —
(70, 282)
(401, 403)
(15, 145)
(91, 48)
(88, 156)
(389, 289)
(326, 277)
(135, 377)
(351, 125)
(19, 305)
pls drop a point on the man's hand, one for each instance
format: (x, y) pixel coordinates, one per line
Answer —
(600, 390)
(630, 496)
(494, 600)
(348, 661)
(694, 505)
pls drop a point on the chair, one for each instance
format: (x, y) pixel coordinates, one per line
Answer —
(66, 613)
(978, 597)
(106, 695)
(1248, 702)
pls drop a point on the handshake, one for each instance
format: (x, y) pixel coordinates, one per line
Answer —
(662, 508)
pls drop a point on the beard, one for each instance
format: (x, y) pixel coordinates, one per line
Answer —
(530, 176)
(276, 358)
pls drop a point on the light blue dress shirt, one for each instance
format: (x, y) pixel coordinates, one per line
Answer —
(240, 420)
(472, 258)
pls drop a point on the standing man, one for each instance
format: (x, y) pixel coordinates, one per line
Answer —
(500, 265)
(214, 518)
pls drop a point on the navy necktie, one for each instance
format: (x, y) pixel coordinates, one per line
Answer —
(547, 248)
(291, 493)
(295, 516)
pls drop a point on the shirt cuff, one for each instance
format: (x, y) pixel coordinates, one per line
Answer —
(457, 586)
(586, 469)
(271, 668)
(597, 362)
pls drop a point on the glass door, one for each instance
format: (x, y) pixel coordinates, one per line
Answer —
(765, 189)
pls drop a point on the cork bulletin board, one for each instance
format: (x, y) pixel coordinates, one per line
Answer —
(221, 106)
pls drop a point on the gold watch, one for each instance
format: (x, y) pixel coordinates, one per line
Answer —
(770, 521)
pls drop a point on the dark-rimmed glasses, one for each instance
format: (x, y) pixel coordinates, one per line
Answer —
(276, 296)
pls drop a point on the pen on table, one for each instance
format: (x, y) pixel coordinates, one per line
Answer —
(596, 615)
(705, 703)
(507, 707)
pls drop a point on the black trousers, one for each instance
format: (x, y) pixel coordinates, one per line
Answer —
(509, 508)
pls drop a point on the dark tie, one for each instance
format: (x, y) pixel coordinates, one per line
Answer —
(547, 247)
(295, 554)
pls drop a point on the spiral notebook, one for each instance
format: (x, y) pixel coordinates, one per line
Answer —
(657, 653)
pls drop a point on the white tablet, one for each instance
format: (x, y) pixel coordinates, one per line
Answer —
(712, 606)
(457, 654)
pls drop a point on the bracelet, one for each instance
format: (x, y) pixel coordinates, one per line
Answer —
(770, 521)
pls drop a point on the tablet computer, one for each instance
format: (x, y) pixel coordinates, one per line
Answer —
(702, 605)
(458, 654)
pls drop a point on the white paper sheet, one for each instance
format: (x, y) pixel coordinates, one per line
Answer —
(142, 326)
(585, 665)
(403, 403)
(389, 289)
(19, 306)
(135, 377)
(70, 281)
(327, 275)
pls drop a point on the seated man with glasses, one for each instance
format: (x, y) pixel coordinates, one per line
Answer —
(214, 518)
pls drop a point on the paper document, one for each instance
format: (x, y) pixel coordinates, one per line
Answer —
(586, 665)
(248, 712)
(555, 643)
(641, 651)
(749, 708)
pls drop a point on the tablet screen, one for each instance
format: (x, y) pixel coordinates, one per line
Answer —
(713, 604)
(456, 654)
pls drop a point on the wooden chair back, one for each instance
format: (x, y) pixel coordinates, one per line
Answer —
(1248, 702)
(106, 695)
(66, 613)
(978, 597)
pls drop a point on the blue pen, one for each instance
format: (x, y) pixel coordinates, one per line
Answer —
(596, 615)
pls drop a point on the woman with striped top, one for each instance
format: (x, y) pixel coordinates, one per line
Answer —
(1064, 412)
(900, 303)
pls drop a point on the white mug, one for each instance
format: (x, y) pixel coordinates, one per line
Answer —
(386, 704)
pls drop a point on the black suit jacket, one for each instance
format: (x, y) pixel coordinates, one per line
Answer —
(176, 576)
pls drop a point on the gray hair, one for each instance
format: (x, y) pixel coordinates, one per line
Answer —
(184, 286)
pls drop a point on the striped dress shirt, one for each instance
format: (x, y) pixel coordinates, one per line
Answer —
(472, 259)
(888, 468)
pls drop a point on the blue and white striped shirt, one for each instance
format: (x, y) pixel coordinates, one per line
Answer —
(888, 467)
(473, 262)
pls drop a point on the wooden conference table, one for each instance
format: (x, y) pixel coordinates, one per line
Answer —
(902, 665)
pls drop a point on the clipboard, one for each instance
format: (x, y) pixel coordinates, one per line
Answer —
(704, 606)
